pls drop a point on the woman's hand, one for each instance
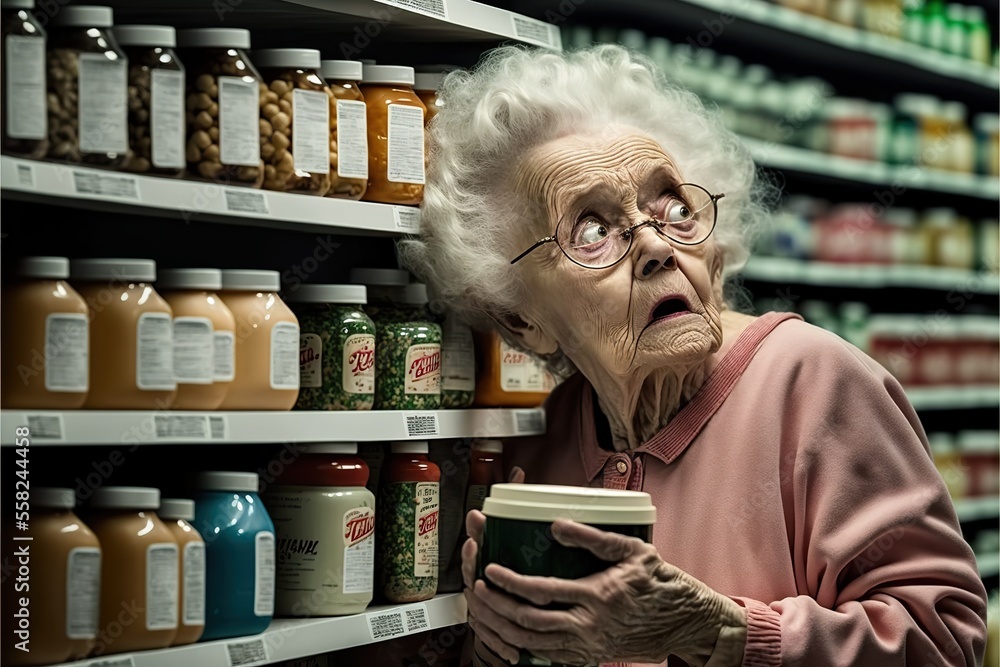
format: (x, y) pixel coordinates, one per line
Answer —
(641, 609)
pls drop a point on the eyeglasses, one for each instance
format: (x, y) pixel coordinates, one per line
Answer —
(595, 244)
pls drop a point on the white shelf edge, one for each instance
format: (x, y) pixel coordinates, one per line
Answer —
(854, 39)
(947, 397)
(135, 427)
(289, 639)
(973, 509)
(989, 565)
(197, 201)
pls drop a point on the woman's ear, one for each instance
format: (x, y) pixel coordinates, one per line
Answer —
(717, 282)
(529, 334)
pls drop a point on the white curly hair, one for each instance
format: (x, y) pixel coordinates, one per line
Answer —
(518, 98)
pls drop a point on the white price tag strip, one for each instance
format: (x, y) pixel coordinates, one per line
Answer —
(26, 176)
(246, 201)
(416, 618)
(386, 624)
(218, 427)
(421, 424)
(104, 185)
(435, 8)
(253, 652)
(532, 30)
(529, 422)
(46, 427)
(126, 661)
(182, 427)
(407, 219)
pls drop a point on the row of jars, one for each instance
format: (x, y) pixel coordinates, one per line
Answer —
(208, 339)
(120, 97)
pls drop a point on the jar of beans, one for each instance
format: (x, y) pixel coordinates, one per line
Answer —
(348, 129)
(87, 78)
(408, 357)
(222, 107)
(294, 121)
(155, 99)
(24, 115)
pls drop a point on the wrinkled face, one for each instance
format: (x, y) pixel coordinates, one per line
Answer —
(660, 305)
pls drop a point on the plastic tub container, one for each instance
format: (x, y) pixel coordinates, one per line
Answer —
(508, 377)
(408, 356)
(176, 513)
(348, 129)
(25, 115)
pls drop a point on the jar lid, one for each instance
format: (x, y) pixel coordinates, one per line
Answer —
(84, 16)
(227, 481)
(146, 35)
(413, 447)
(52, 497)
(415, 294)
(143, 270)
(381, 74)
(223, 38)
(189, 279)
(352, 294)
(548, 502)
(251, 279)
(980, 442)
(987, 123)
(126, 497)
(491, 446)
(343, 70)
(380, 277)
(428, 80)
(301, 58)
(17, 4)
(330, 448)
(44, 267)
(176, 508)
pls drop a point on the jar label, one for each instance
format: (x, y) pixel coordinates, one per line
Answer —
(154, 363)
(67, 352)
(425, 556)
(359, 364)
(423, 369)
(103, 104)
(194, 584)
(405, 159)
(166, 118)
(310, 360)
(458, 357)
(520, 372)
(239, 122)
(161, 586)
(285, 355)
(352, 139)
(359, 550)
(263, 589)
(83, 588)
(224, 356)
(194, 347)
(311, 131)
(27, 117)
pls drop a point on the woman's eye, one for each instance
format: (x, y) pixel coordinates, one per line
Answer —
(677, 211)
(591, 232)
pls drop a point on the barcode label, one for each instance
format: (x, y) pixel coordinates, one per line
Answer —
(529, 422)
(242, 201)
(45, 427)
(114, 662)
(407, 219)
(532, 30)
(219, 427)
(385, 625)
(103, 185)
(185, 427)
(420, 424)
(416, 618)
(25, 176)
(436, 8)
(247, 653)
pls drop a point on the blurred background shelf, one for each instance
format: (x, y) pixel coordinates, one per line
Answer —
(974, 509)
(950, 398)
(989, 565)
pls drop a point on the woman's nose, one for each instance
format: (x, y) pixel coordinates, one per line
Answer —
(654, 253)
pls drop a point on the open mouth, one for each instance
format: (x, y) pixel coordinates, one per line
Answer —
(668, 307)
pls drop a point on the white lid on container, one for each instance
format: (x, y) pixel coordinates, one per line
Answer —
(176, 508)
(987, 123)
(980, 442)
(52, 497)
(428, 80)
(146, 35)
(227, 481)
(126, 497)
(387, 74)
(491, 446)
(17, 4)
(113, 268)
(380, 277)
(953, 112)
(222, 38)
(301, 58)
(341, 70)
(251, 279)
(190, 279)
(84, 16)
(350, 294)
(414, 447)
(415, 294)
(44, 267)
(548, 502)
(330, 448)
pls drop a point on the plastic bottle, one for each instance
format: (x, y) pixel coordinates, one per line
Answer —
(176, 513)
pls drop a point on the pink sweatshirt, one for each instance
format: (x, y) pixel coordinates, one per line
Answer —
(799, 482)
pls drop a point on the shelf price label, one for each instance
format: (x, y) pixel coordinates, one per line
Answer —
(407, 219)
(246, 201)
(46, 427)
(533, 31)
(243, 653)
(436, 8)
(190, 427)
(398, 622)
(421, 424)
(125, 661)
(105, 186)
(529, 422)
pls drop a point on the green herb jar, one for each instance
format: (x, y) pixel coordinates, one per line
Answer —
(385, 292)
(337, 347)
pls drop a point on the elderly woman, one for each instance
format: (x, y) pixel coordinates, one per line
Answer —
(592, 212)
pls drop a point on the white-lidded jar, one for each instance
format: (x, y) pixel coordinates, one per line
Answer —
(22, 97)
(177, 514)
(131, 341)
(348, 129)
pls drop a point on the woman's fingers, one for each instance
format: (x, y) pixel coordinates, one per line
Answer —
(511, 633)
(611, 547)
(474, 523)
(469, 551)
(526, 616)
(540, 591)
(516, 475)
(486, 634)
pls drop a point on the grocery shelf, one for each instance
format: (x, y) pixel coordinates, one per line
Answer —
(989, 565)
(793, 158)
(973, 509)
(289, 639)
(787, 270)
(190, 201)
(102, 427)
(950, 398)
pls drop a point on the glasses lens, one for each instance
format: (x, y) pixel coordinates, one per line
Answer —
(689, 214)
(592, 242)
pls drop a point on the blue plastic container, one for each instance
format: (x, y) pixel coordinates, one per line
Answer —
(239, 551)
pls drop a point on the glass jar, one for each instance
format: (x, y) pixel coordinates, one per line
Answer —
(395, 135)
(987, 144)
(384, 289)
(25, 130)
(87, 77)
(294, 121)
(348, 129)
(960, 149)
(408, 356)
(45, 338)
(508, 377)
(176, 514)
(131, 340)
(155, 99)
(485, 470)
(426, 85)
(223, 107)
(336, 348)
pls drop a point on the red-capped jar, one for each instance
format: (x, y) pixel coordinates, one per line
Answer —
(407, 525)
(324, 518)
(485, 470)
